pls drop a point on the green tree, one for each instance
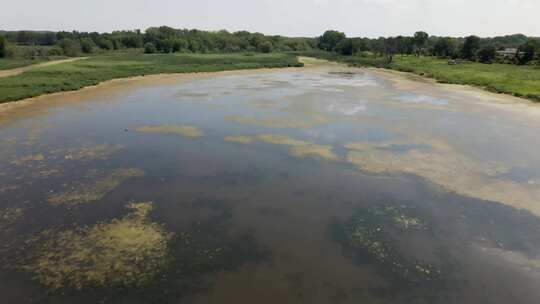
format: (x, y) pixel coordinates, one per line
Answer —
(3, 47)
(470, 47)
(444, 47)
(526, 52)
(87, 45)
(149, 48)
(266, 47)
(420, 39)
(330, 39)
(487, 54)
(345, 47)
(70, 47)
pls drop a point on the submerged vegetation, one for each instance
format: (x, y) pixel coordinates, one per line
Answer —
(373, 234)
(85, 193)
(127, 252)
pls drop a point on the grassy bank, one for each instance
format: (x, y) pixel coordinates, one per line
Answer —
(9, 63)
(522, 81)
(76, 75)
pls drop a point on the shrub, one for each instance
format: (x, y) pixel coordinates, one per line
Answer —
(150, 48)
(266, 47)
(87, 45)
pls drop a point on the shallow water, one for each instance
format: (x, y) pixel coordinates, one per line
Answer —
(315, 185)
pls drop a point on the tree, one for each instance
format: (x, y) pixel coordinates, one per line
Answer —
(420, 39)
(470, 47)
(3, 47)
(330, 39)
(105, 44)
(87, 45)
(526, 51)
(266, 47)
(345, 47)
(444, 47)
(149, 48)
(487, 53)
(70, 47)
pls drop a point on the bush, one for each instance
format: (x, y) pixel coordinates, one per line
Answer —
(150, 48)
(55, 51)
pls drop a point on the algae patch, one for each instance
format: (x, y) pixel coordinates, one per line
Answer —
(297, 148)
(89, 152)
(182, 130)
(85, 193)
(442, 164)
(126, 252)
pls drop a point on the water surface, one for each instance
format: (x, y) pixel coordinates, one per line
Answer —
(316, 185)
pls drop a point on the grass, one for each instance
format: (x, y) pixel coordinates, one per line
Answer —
(76, 75)
(521, 81)
(13, 63)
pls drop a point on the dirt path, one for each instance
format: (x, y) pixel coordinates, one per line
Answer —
(17, 71)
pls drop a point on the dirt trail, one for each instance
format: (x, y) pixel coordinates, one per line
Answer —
(17, 71)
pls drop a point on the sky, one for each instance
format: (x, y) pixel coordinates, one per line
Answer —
(308, 18)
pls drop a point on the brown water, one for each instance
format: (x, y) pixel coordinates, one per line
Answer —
(316, 185)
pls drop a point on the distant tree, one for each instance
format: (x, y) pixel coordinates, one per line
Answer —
(345, 47)
(444, 47)
(70, 47)
(105, 44)
(470, 47)
(487, 54)
(266, 47)
(526, 52)
(3, 47)
(87, 45)
(149, 48)
(420, 39)
(166, 45)
(330, 39)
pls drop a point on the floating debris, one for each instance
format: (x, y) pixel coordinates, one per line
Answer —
(85, 193)
(128, 252)
(182, 130)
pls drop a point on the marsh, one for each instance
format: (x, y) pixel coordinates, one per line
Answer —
(324, 184)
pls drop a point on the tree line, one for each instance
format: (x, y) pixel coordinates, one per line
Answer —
(167, 40)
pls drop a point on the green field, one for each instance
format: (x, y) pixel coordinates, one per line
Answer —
(522, 81)
(79, 74)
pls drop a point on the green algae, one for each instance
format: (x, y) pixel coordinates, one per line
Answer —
(85, 193)
(125, 252)
(373, 234)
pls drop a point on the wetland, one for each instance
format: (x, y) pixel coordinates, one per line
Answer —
(322, 184)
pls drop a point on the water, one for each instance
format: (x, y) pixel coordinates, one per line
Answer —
(316, 185)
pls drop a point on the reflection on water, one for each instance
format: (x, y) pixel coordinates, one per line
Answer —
(316, 185)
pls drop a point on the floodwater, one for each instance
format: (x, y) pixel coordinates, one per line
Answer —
(324, 184)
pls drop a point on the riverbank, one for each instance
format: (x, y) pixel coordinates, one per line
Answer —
(519, 81)
(71, 76)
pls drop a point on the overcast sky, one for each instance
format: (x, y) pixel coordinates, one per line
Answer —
(371, 18)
